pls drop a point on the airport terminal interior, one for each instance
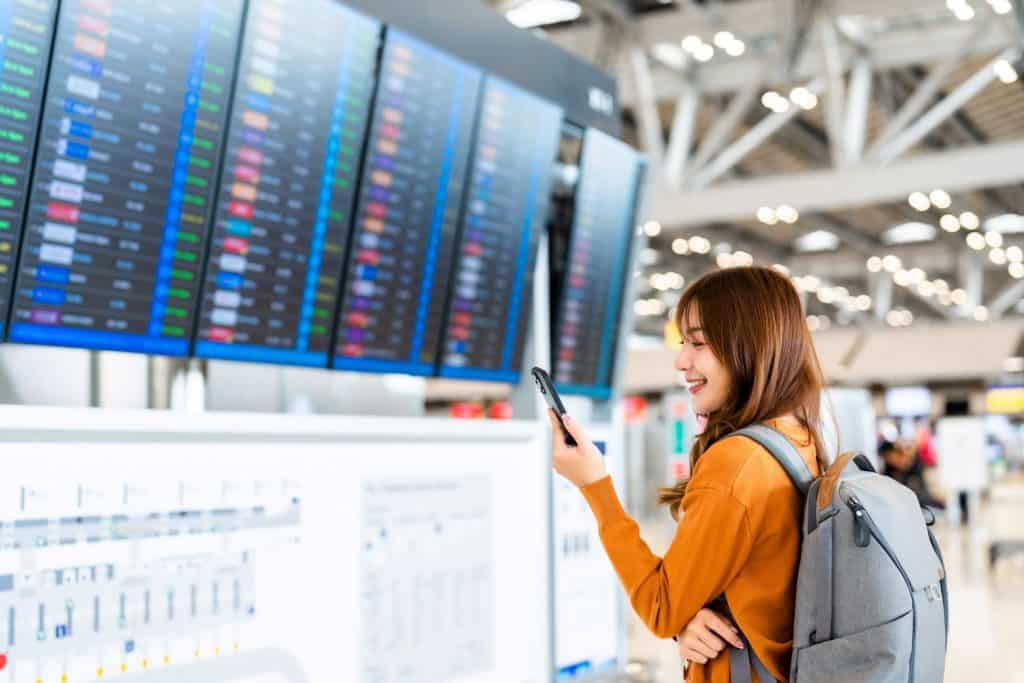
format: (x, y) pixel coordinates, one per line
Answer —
(274, 275)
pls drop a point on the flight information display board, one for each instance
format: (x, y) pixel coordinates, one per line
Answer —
(128, 157)
(298, 122)
(591, 301)
(26, 29)
(414, 177)
(506, 208)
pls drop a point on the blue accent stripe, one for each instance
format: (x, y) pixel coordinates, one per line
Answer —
(260, 354)
(29, 333)
(482, 374)
(391, 366)
(602, 392)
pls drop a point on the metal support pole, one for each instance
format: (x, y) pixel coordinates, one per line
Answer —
(882, 287)
(648, 119)
(857, 103)
(757, 135)
(972, 277)
(930, 86)
(1006, 299)
(683, 128)
(938, 114)
(836, 94)
(725, 125)
(94, 379)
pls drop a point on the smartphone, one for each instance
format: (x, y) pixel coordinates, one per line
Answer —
(547, 389)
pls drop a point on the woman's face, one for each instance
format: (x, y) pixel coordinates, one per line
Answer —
(707, 379)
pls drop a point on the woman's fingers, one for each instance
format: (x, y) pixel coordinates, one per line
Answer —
(725, 629)
(708, 638)
(695, 645)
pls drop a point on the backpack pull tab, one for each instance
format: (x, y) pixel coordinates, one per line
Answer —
(861, 532)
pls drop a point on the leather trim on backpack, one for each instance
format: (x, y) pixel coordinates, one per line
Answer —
(827, 489)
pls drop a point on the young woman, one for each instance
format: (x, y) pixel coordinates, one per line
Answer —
(748, 358)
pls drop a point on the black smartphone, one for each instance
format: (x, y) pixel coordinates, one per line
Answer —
(547, 389)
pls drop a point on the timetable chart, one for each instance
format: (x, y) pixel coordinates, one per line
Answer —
(128, 156)
(588, 313)
(506, 208)
(26, 32)
(403, 240)
(299, 118)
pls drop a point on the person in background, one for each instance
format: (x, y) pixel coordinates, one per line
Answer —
(902, 464)
(748, 358)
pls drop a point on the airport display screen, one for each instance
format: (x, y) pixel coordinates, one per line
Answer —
(27, 30)
(403, 240)
(129, 147)
(506, 206)
(299, 117)
(588, 313)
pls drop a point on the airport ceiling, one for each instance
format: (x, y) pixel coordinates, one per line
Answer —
(834, 109)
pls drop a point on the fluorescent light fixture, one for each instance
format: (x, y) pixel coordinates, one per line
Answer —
(819, 240)
(909, 232)
(1005, 223)
(534, 13)
(669, 54)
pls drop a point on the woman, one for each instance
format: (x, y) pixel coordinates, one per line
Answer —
(748, 358)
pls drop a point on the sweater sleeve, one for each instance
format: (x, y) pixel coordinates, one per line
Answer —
(711, 545)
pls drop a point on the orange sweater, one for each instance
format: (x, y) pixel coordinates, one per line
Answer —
(739, 535)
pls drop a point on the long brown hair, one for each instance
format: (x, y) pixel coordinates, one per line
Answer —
(754, 323)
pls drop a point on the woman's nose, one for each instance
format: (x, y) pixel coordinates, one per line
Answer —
(682, 360)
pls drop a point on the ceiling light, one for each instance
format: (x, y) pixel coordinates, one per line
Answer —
(945, 298)
(811, 283)
(652, 228)
(863, 302)
(724, 260)
(994, 239)
(781, 268)
(813, 324)
(920, 201)
(901, 277)
(700, 245)
(1014, 364)
(958, 296)
(874, 264)
(1005, 223)
(787, 214)
(680, 246)
(692, 43)
(723, 39)
(941, 286)
(917, 276)
(969, 220)
(669, 54)
(826, 295)
(906, 233)
(926, 289)
(704, 53)
(534, 13)
(766, 215)
(1001, 6)
(976, 241)
(949, 223)
(1016, 270)
(940, 198)
(1015, 254)
(981, 314)
(1005, 71)
(907, 317)
(735, 48)
(997, 256)
(893, 318)
(742, 258)
(819, 240)
(891, 263)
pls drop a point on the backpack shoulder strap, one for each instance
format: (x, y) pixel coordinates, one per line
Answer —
(784, 452)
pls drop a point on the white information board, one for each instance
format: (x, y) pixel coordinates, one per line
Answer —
(963, 462)
(157, 547)
(589, 617)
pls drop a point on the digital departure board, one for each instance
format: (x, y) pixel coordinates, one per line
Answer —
(26, 33)
(298, 122)
(128, 157)
(413, 181)
(506, 207)
(589, 310)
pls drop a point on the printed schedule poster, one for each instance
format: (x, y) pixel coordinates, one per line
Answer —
(588, 313)
(26, 32)
(506, 209)
(300, 114)
(129, 143)
(407, 215)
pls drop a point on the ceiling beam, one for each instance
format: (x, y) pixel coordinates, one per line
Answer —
(953, 170)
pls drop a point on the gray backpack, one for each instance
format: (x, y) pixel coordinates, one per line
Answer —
(871, 600)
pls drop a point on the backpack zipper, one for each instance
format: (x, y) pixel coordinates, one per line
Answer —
(861, 516)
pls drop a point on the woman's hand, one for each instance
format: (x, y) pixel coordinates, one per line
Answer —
(581, 464)
(706, 636)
